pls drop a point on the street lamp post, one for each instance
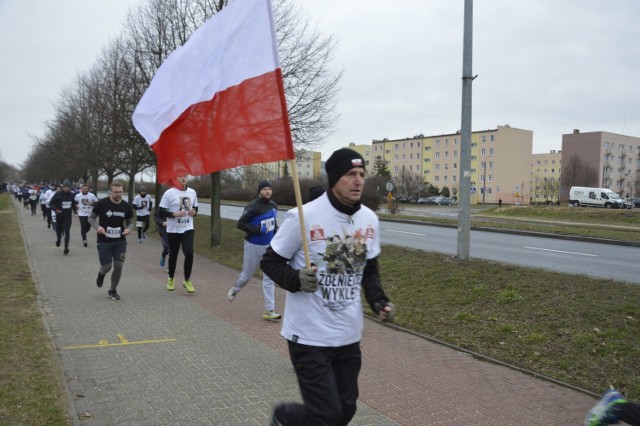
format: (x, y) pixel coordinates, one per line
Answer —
(484, 180)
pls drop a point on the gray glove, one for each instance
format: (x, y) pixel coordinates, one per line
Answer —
(383, 314)
(308, 280)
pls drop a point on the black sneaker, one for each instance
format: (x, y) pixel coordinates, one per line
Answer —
(66, 250)
(273, 421)
(57, 243)
(114, 295)
(85, 243)
(99, 280)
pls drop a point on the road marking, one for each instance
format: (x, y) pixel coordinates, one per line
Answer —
(561, 251)
(406, 232)
(123, 342)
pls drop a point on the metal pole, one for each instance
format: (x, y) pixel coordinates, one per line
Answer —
(484, 182)
(465, 136)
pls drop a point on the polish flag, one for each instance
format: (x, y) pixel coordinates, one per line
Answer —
(217, 102)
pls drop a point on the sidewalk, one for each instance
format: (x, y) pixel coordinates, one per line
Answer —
(171, 358)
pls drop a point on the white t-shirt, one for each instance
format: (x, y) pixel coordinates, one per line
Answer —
(142, 204)
(49, 195)
(85, 203)
(178, 200)
(339, 245)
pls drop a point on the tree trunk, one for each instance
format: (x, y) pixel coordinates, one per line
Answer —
(216, 228)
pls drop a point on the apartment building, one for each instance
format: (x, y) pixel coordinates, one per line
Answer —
(601, 159)
(545, 177)
(500, 162)
(308, 163)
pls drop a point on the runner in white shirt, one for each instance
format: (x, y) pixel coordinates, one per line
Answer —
(179, 207)
(142, 204)
(85, 201)
(323, 316)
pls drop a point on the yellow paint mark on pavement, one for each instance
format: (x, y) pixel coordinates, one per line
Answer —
(123, 342)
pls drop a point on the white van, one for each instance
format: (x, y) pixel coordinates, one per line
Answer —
(595, 197)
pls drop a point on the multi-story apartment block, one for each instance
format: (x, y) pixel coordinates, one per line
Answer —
(545, 177)
(500, 162)
(601, 159)
(308, 163)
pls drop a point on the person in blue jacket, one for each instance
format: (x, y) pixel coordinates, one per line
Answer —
(259, 222)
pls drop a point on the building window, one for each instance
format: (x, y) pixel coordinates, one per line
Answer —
(395, 157)
(418, 144)
(454, 178)
(397, 146)
(437, 142)
(455, 154)
(417, 156)
(484, 139)
(491, 138)
(395, 168)
(490, 177)
(455, 141)
(446, 178)
(455, 166)
(436, 167)
(483, 151)
(446, 154)
(490, 151)
(418, 168)
(436, 178)
(446, 142)
(437, 155)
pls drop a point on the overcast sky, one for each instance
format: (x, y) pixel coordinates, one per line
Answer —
(549, 66)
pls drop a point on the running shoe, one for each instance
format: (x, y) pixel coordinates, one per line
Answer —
(170, 284)
(99, 280)
(188, 286)
(162, 261)
(271, 315)
(231, 295)
(84, 242)
(113, 295)
(602, 413)
(66, 250)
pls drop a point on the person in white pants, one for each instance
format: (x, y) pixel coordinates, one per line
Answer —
(258, 220)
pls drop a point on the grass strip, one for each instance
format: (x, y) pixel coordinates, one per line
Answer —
(31, 382)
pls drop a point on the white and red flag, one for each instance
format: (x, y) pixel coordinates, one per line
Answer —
(218, 102)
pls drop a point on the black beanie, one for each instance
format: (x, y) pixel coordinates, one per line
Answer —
(340, 162)
(263, 184)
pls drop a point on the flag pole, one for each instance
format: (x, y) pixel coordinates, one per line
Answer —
(303, 232)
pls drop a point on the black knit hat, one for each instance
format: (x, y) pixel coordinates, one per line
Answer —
(263, 184)
(143, 189)
(340, 162)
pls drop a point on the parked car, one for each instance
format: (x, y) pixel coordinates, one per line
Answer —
(445, 201)
(427, 200)
(635, 203)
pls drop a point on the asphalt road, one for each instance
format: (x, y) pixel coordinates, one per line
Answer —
(599, 260)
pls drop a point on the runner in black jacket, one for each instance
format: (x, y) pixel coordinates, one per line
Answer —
(63, 203)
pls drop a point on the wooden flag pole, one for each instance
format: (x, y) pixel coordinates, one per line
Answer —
(303, 232)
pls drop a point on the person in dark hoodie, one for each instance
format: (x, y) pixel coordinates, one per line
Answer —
(258, 220)
(63, 203)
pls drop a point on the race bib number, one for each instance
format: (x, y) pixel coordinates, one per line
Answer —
(269, 224)
(113, 232)
(139, 224)
(66, 205)
(183, 221)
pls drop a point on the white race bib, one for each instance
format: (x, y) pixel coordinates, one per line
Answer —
(139, 224)
(113, 232)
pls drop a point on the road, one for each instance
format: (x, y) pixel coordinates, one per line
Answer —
(573, 257)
